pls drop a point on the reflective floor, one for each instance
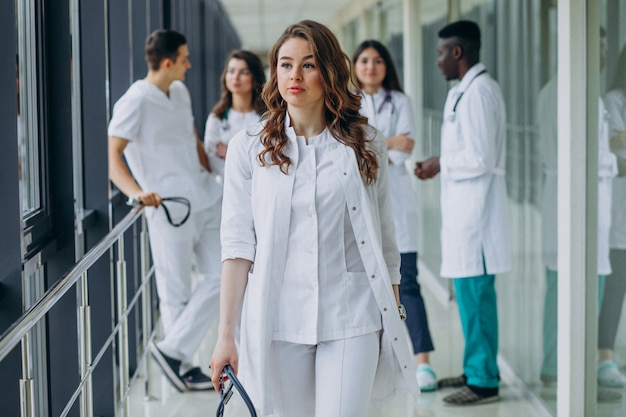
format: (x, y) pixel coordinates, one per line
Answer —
(165, 401)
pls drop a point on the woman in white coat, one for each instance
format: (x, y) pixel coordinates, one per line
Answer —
(389, 110)
(308, 245)
(240, 106)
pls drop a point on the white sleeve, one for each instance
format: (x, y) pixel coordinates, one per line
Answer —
(126, 119)
(211, 136)
(237, 229)
(479, 128)
(404, 124)
(388, 230)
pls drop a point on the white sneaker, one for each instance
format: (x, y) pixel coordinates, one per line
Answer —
(426, 378)
(609, 375)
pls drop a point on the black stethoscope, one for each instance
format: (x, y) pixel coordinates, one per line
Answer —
(225, 124)
(387, 99)
(134, 202)
(227, 391)
(452, 117)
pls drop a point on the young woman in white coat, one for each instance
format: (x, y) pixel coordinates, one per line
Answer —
(389, 110)
(240, 106)
(308, 245)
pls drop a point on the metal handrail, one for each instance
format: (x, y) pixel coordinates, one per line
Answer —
(14, 334)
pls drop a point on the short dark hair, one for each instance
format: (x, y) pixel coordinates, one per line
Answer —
(163, 44)
(468, 34)
(463, 29)
(392, 80)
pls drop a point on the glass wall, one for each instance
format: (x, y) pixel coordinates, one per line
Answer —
(521, 50)
(612, 207)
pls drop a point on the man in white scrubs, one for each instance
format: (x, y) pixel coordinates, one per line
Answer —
(475, 233)
(152, 127)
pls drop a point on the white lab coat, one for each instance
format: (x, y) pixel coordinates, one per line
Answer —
(615, 101)
(474, 211)
(607, 169)
(219, 130)
(255, 226)
(393, 118)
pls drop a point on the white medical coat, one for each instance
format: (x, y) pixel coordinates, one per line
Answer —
(474, 211)
(392, 118)
(615, 102)
(255, 226)
(607, 169)
(217, 130)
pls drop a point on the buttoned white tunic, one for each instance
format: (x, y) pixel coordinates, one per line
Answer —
(256, 226)
(474, 210)
(607, 169)
(162, 151)
(392, 114)
(615, 102)
(220, 130)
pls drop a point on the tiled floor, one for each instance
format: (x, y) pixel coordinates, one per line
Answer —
(165, 401)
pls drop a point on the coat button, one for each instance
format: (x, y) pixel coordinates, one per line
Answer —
(373, 276)
(362, 242)
(353, 208)
(395, 339)
(345, 173)
(385, 309)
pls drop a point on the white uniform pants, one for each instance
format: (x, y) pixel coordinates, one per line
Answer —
(186, 313)
(331, 379)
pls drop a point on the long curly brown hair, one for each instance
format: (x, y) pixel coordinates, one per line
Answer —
(341, 106)
(258, 79)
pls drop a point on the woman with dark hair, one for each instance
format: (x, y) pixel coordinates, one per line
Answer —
(240, 106)
(308, 245)
(389, 110)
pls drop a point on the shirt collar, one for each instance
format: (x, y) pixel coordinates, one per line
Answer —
(469, 76)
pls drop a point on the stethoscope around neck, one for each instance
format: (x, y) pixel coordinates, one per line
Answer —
(452, 116)
(225, 124)
(387, 99)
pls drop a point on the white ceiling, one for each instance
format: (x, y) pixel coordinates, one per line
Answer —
(260, 22)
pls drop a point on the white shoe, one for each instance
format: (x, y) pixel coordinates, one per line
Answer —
(609, 375)
(426, 378)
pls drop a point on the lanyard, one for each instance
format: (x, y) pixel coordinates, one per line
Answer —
(456, 103)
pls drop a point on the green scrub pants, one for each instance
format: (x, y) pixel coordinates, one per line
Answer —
(476, 298)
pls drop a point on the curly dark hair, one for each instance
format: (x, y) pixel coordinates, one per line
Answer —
(341, 106)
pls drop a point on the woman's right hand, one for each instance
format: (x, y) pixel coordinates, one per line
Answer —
(225, 353)
(220, 150)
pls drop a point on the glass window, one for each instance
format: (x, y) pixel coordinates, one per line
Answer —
(31, 125)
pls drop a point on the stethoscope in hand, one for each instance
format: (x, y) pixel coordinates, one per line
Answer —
(134, 202)
(227, 391)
